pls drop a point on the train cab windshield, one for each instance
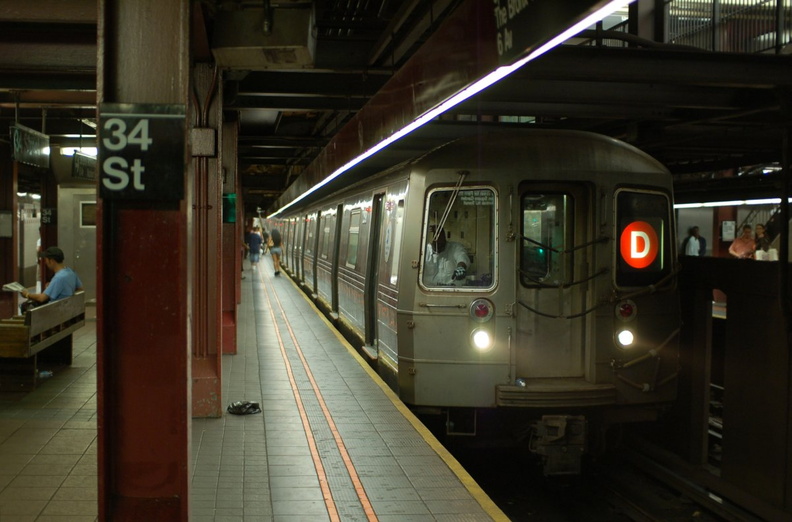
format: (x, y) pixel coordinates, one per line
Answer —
(643, 239)
(459, 239)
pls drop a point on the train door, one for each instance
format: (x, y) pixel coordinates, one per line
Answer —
(299, 247)
(336, 255)
(551, 318)
(371, 276)
(311, 249)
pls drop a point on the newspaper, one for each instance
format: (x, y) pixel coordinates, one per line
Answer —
(13, 287)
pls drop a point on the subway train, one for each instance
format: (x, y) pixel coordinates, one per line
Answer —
(520, 285)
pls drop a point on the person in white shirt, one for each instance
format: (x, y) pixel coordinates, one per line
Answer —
(446, 261)
(694, 244)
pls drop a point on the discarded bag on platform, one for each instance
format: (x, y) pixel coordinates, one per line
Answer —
(244, 408)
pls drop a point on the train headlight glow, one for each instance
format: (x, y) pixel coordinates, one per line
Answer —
(481, 339)
(625, 338)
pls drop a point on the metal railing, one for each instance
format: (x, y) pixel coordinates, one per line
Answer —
(742, 26)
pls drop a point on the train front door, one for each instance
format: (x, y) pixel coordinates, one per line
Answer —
(551, 318)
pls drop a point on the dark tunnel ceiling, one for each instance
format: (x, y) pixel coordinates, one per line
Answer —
(695, 111)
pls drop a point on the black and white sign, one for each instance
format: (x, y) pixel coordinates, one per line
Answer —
(141, 151)
(30, 147)
(524, 25)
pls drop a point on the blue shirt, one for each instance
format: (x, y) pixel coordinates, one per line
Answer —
(63, 284)
(254, 242)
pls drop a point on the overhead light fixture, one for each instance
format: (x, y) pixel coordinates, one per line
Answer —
(69, 151)
(471, 90)
(733, 203)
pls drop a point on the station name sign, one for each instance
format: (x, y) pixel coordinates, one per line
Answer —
(523, 25)
(141, 151)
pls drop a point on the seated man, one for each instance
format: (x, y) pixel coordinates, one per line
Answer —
(64, 283)
(446, 261)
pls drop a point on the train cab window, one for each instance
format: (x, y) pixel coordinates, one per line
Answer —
(643, 240)
(459, 248)
(545, 231)
(352, 238)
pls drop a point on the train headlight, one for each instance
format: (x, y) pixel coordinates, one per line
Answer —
(625, 338)
(481, 310)
(481, 339)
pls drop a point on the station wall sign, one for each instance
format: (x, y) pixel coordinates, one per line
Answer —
(141, 151)
(523, 25)
(83, 167)
(30, 147)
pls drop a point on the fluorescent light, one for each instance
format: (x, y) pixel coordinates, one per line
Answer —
(69, 151)
(21, 194)
(724, 203)
(35, 196)
(735, 203)
(471, 90)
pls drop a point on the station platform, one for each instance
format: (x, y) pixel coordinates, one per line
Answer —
(332, 441)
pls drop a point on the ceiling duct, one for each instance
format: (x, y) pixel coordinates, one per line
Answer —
(263, 38)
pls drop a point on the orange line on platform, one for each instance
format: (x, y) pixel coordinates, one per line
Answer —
(332, 510)
(353, 475)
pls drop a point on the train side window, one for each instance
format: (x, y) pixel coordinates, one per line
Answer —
(392, 243)
(546, 219)
(352, 238)
(309, 240)
(459, 249)
(643, 237)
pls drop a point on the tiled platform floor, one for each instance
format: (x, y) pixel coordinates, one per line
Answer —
(261, 467)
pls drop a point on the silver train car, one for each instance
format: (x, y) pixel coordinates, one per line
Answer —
(519, 283)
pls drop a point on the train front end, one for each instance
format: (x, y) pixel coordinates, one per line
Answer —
(566, 316)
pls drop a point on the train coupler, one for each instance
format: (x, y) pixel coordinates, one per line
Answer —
(561, 441)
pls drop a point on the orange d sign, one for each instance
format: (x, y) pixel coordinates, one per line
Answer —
(638, 244)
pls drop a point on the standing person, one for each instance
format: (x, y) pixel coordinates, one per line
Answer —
(264, 241)
(64, 283)
(762, 242)
(694, 244)
(254, 241)
(744, 246)
(276, 250)
(446, 261)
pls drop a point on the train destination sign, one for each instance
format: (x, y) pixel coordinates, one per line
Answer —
(639, 244)
(141, 151)
(523, 25)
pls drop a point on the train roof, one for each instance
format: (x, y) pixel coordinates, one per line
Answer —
(544, 149)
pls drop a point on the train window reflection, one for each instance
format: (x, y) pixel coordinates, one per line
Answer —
(392, 244)
(352, 238)
(459, 238)
(545, 221)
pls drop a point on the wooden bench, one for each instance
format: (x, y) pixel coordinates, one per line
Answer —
(24, 337)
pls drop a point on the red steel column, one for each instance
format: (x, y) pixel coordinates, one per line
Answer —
(207, 215)
(142, 284)
(9, 253)
(232, 259)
